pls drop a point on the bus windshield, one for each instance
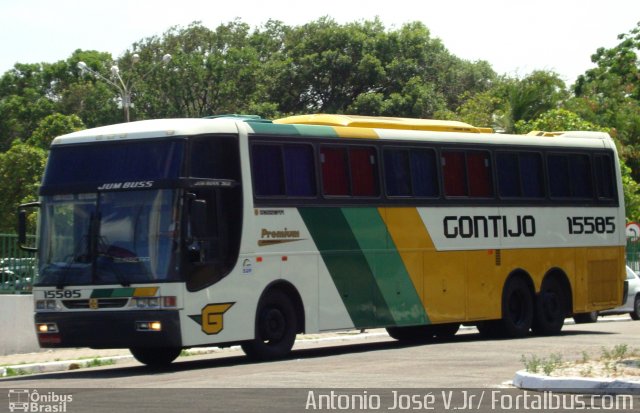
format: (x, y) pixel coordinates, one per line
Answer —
(105, 238)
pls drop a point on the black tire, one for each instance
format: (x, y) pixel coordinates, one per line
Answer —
(155, 357)
(517, 308)
(276, 328)
(550, 308)
(635, 314)
(412, 334)
(490, 328)
(586, 318)
(445, 331)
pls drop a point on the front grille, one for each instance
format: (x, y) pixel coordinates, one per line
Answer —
(102, 303)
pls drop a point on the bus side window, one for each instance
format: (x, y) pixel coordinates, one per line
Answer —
(411, 172)
(424, 173)
(570, 176)
(267, 170)
(299, 170)
(605, 183)
(397, 172)
(519, 174)
(335, 179)
(479, 174)
(454, 173)
(363, 164)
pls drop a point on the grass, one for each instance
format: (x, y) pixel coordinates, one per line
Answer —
(616, 361)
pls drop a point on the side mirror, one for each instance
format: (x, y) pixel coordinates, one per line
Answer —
(22, 225)
(198, 218)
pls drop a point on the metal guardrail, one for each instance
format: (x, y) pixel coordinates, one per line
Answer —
(17, 267)
(633, 254)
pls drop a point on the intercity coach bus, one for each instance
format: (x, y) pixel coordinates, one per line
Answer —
(168, 234)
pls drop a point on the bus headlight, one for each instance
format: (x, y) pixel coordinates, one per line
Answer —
(47, 328)
(148, 326)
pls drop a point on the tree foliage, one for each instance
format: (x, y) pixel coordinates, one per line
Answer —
(21, 169)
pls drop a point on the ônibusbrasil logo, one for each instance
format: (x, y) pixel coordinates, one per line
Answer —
(30, 400)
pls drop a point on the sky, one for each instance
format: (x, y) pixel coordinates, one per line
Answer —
(514, 36)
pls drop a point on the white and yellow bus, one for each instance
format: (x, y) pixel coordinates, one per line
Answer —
(169, 234)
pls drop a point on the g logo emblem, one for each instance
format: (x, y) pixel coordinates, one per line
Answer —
(212, 317)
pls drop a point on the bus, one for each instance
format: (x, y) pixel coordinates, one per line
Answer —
(162, 235)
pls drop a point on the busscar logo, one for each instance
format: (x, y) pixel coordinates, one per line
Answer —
(112, 186)
(26, 400)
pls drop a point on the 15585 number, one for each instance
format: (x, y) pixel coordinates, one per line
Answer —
(62, 294)
(591, 225)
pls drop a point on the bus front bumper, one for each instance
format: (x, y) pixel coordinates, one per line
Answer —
(113, 329)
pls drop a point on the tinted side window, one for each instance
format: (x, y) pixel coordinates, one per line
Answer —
(216, 157)
(364, 179)
(604, 176)
(467, 173)
(267, 170)
(283, 170)
(299, 170)
(570, 176)
(397, 172)
(335, 178)
(479, 174)
(454, 173)
(424, 173)
(519, 175)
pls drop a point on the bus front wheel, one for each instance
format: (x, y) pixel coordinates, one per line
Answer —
(155, 357)
(276, 326)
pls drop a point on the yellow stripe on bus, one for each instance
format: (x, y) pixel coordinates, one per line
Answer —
(363, 133)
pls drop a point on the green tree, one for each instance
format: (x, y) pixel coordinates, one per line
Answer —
(21, 170)
(609, 94)
(52, 126)
(557, 120)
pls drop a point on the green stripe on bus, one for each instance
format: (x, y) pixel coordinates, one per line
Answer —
(347, 266)
(315, 130)
(273, 129)
(262, 128)
(390, 274)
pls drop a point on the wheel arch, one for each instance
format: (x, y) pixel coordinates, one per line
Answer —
(524, 275)
(290, 291)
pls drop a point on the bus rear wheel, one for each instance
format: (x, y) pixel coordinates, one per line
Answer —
(517, 308)
(276, 326)
(155, 357)
(550, 308)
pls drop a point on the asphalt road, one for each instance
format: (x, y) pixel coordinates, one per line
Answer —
(373, 368)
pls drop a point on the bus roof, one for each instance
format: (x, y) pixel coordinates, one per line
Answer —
(332, 125)
(158, 128)
(377, 122)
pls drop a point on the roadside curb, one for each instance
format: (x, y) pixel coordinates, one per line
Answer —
(63, 365)
(538, 382)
